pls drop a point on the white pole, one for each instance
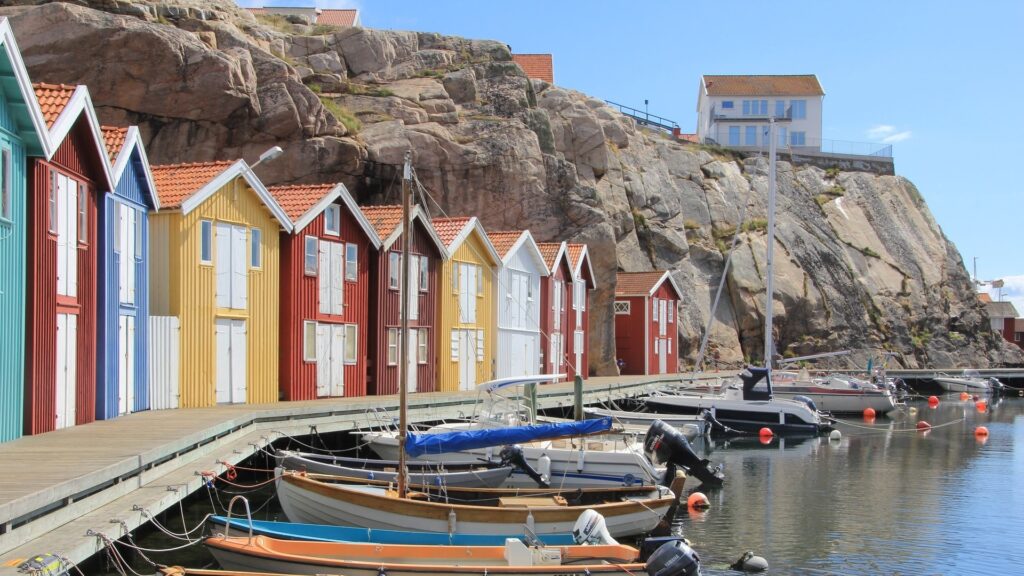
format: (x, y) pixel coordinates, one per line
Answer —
(769, 284)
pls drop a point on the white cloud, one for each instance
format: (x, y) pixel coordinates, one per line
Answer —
(887, 134)
(897, 137)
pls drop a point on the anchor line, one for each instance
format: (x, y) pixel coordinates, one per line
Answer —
(880, 430)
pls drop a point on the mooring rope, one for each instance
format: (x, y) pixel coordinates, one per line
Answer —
(885, 430)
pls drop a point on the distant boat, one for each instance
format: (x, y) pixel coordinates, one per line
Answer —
(837, 393)
(470, 474)
(970, 381)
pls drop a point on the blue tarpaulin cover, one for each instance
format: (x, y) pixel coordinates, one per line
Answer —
(420, 444)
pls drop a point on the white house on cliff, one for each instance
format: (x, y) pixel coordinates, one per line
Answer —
(733, 111)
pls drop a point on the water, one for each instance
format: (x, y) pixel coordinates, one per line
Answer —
(886, 499)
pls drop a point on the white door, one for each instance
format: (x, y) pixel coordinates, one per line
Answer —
(467, 359)
(231, 266)
(577, 345)
(67, 338)
(662, 313)
(222, 264)
(67, 234)
(412, 354)
(337, 348)
(330, 366)
(125, 364)
(662, 350)
(231, 360)
(414, 290)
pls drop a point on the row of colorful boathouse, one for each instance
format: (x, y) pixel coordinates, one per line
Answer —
(128, 287)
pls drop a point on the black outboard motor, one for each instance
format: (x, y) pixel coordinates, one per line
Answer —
(674, 558)
(513, 456)
(750, 376)
(663, 444)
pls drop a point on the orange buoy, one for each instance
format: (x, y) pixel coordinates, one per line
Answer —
(765, 440)
(869, 413)
(981, 431)
(981, 405)
(922, 425)
(766, 432)
(698, 501)
(965, 396)
(933, 401)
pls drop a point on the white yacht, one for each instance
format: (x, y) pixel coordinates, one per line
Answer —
(837, 393)
(970, 381)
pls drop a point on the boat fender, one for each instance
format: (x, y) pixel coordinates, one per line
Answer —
(370, 475)
(579, 460)
(665, 445)
(750, 563)
(452, 522)
(544, 467)
(44, 565)
(591, 529)
(674, 558)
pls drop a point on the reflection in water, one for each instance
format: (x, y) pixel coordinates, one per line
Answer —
(884, 499)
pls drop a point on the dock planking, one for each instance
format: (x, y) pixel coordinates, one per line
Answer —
(60, 488)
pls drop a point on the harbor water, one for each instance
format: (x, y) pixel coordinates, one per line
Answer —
(884, 499)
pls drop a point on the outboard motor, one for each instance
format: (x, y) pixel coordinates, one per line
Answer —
(750, 376)
(995, 385)
(663, 444)
(810, 403)
(590, 529)
(714, 425)
(513, 456)
(674, 558)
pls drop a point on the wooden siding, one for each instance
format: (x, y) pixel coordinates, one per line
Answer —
(510, 331)
(191, 292)
(630, 343)
(13, 239)
(300, 302)
(131, 191)
(77, 157)
(563, 274)
(385, 312)
(663, 293)
(471, 251)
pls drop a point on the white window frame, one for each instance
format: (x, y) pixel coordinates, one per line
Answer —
(424, 273)
(206, 242)
(421, 346)
(83, 212)
(655, 314)
(335, 211)
(308, 351)
(622, 307)
(455, 345)
(310, 255)
(394, 270)
(256, 249)
(351, 336)
(52, 202)
(6, 188)
(479, 345)
(351, 262)
(671, 311)
(118, 216)
(140, 215)
(392, 346)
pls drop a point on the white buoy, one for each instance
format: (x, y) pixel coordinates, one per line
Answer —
(912, 411)
(835, 435)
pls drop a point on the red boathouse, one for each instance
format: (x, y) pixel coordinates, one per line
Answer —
(646, 311)
(579, 314)
(554, 319)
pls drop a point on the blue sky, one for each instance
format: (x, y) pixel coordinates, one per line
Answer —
(942, 81)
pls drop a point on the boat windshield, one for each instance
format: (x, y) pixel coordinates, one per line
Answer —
(972, 374)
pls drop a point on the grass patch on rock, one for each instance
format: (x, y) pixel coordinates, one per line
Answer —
(344, 115)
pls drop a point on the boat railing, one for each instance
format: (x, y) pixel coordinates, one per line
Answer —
(248, 516)
(379, 415)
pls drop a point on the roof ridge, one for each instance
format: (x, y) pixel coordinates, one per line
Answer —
(194, 164)
(60, 86)
(293, 186)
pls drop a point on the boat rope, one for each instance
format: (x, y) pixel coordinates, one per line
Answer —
(186, 536)
(110, 546)
(885, 430)
(230, 475)
(243, 468)
(212, 489)
(311, 447)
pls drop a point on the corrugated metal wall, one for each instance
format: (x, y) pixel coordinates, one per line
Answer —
(299, 302)
(130, 191)
(192, 299)
(77, 157)
(472, 251)
(548, 313)
(385, 313)
(13, 237)
(517, 320)
(164, 362)
(630, 344)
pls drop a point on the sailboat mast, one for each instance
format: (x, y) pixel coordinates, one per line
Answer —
(403, 346)
(769, 283)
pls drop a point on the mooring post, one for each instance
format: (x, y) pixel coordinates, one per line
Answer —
(577, 393)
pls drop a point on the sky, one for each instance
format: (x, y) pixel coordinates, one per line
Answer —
(943, 82)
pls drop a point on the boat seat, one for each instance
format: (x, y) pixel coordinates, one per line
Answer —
(528, 501)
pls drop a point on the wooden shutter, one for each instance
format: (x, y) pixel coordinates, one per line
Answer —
(324, 278)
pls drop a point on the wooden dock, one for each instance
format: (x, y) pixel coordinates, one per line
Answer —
(58, 490)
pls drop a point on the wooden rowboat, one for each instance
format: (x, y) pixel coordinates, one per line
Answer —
(468, 474)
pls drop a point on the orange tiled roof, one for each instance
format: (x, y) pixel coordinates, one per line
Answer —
(689, 138)
(636, 283)
(176, 182)
(539, 66)
(297, 200)
(52, 99)
(335, 17)
(504, 240)
(575, 252)
(984, 297)
(549, 250)
(114, 137)
(384, 219)
(448, 228)
(769, 85)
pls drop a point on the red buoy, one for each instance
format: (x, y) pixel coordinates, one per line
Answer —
(698, 501)
(981, 405)
(869, 413)
(766, 432)
(922, 425)
(933, 401)
(965, 396)
(981, 431)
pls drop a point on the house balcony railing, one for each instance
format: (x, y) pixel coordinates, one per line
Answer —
(645, 118)
(721, 137)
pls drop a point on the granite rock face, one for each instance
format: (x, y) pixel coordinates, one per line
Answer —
(860, 262)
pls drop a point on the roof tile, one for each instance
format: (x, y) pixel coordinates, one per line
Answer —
(176, 182)
(636, 283)
(336, 17)
(575, 253)
(297, 200)
(504, 240)
(549, 250)
(384, 219)
(52, 99)
(449, 228)
(114, 137)
(538, 66)
(766, 85)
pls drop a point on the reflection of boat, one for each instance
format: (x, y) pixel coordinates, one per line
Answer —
(747, 408)
(326, 533)
(470, 511)
(969, 381)
(838, 393)
(466, 473)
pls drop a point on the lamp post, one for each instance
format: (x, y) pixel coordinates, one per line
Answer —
(268, 154)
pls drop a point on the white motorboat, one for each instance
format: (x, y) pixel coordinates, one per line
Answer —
(837, 393)
(970, 381)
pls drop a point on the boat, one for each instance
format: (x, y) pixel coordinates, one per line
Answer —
(836, 393)
(313, 499)
(261, 553)
(327, 533)
(640, 422)
(969, 381)
(467, 473)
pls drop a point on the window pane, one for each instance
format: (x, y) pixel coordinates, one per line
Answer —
(140, 216)
(394, 270)
(83, 212)
(780, 108)
(750, 136)
(6, 197)
(309, 341)
(206, 241)
(727, 104)
(310, 256)
(746, 107)
(351, 344)
(764, 108)
(734, 135)
(392, 346)
(421, 346)
(53, 201)
(331, 218)
(798, 138)
(257, 238)
(423, 273)
(351, 262)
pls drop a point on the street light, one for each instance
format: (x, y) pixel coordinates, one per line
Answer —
(270, 154)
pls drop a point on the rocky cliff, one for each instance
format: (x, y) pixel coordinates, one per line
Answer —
(861, 263)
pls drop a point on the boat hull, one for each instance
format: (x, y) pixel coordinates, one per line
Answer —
(840, 402)
(480, 478)
(308, 501)
(963, 385)
(747, 416)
